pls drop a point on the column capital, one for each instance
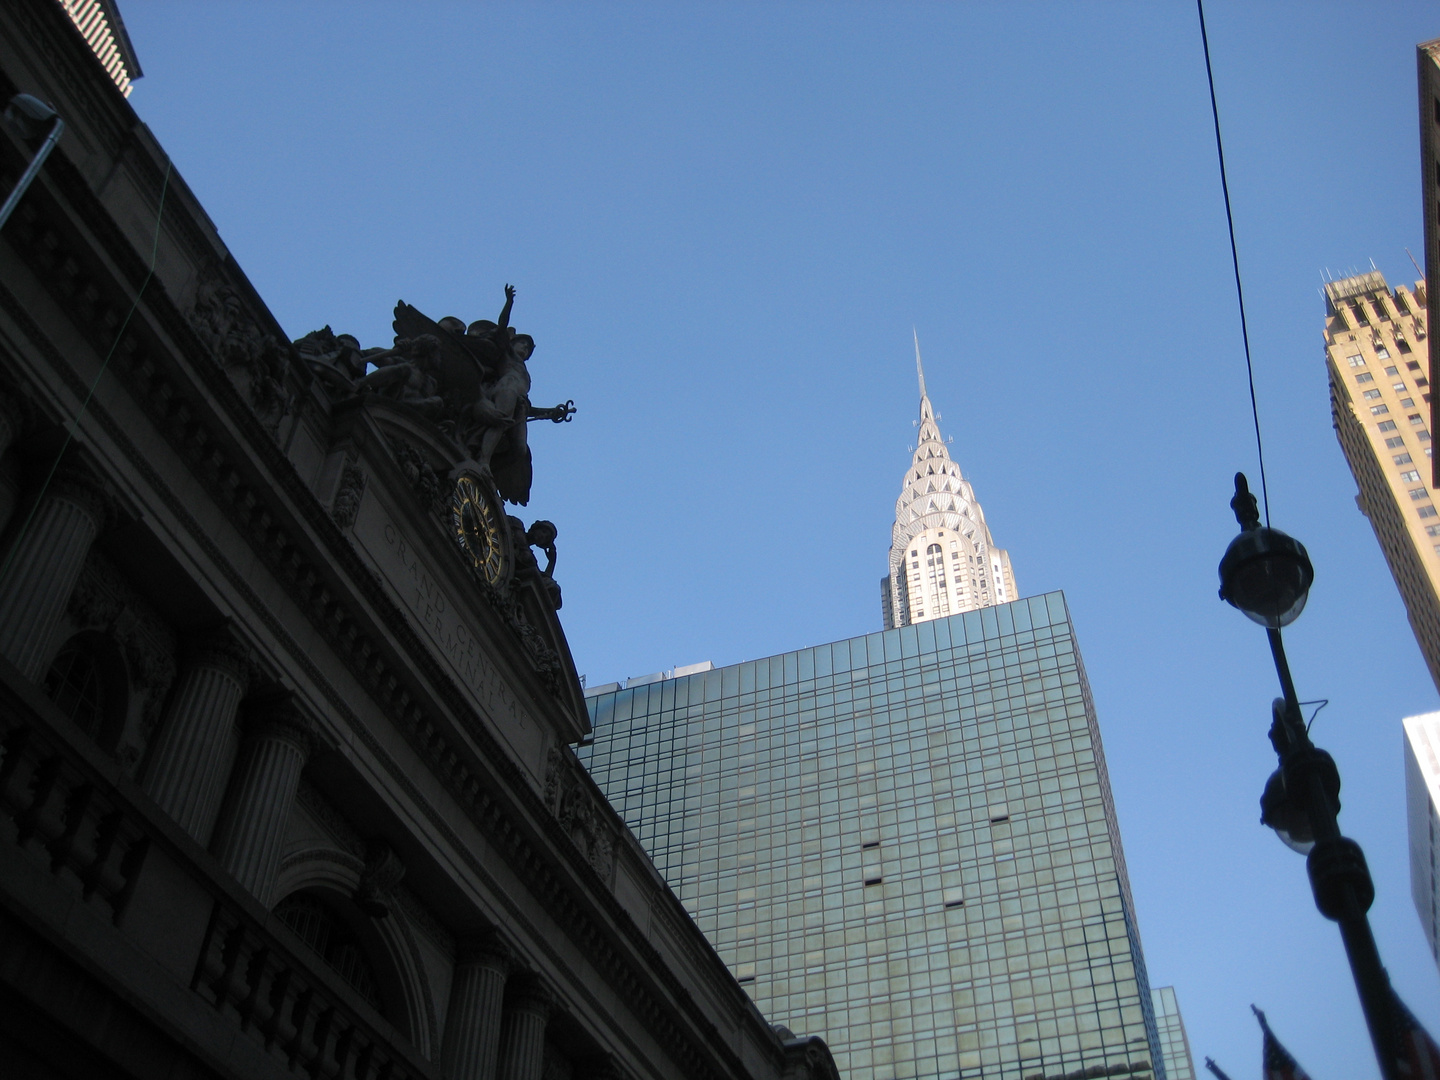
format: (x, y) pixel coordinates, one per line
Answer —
(278, 716)
(223, 649)
(487, 949)
(528, 992)
(77, 484)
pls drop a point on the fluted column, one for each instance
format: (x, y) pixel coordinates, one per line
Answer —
(43, 567)
(9, 428)
(522, 1033)
(262, 793)
(197, 743)
(477, 1000)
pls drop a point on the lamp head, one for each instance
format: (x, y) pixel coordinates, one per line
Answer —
(1285, 815)
(1265, 573)
(29, 115)
(1284, 806)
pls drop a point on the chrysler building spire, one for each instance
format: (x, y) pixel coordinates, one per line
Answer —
(943, 559)
(919, 367)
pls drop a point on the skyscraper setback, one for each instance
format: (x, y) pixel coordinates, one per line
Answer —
(904, 842)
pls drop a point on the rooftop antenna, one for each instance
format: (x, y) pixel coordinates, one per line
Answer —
(1414, 263)
(1373, 266)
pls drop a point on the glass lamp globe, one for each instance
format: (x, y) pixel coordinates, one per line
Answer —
(1267, 575)
(1288, 818)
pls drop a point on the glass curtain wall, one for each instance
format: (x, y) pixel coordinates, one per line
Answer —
(903, 842)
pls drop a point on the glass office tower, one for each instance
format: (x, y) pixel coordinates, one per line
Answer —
(1174, 1045)
(904, 842)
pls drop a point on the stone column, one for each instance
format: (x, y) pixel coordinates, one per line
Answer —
(196, 746)
(522, 1034)
(251, 831)
(43, 566)
(9, 427)
(472, 1023)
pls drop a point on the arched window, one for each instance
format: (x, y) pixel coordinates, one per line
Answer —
(935, 563)
(325, 933)
(75, 685)
(87, 683)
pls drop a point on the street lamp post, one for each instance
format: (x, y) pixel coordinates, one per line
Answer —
(1267, 575)
(26, 114)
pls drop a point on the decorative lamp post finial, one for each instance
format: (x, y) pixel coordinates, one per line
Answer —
(1247, 509)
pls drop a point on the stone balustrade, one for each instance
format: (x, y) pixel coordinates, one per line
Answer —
(299, 1014)
(72, 817)
(63, 812)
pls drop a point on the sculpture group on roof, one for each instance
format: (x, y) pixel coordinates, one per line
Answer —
(471, 381)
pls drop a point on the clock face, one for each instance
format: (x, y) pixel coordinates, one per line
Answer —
(477, 528)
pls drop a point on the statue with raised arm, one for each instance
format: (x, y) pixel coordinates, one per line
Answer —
(470, 380)
(495, 423)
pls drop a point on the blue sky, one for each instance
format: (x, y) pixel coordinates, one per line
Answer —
(724, 220)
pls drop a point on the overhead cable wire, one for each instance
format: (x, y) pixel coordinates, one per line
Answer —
(1235, 260)
(72, 427)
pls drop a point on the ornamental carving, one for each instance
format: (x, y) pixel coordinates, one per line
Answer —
(575, 807)
(103, 600)
(347, 499)
(424, 481)
(375, 894)
(254, 360)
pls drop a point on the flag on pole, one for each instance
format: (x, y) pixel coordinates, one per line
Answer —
(1416, 1055)
(1277, 1064)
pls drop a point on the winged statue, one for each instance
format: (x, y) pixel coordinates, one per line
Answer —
(472, 380)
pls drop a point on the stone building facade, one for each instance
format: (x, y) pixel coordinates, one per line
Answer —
(1427, 60)
(1375, 347)
(286, 709)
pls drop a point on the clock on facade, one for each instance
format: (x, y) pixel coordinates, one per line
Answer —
(478, 527)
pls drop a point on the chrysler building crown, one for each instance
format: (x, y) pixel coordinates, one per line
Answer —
(943, 559)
